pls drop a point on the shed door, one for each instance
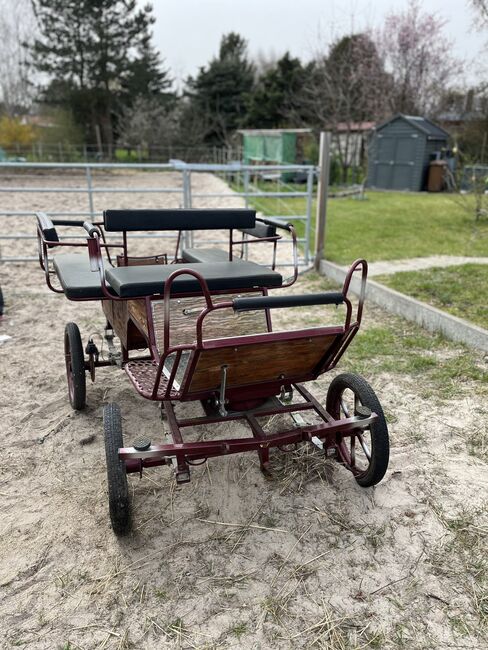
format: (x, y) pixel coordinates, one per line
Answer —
(384, 161)
(395, 161)
(404, 163)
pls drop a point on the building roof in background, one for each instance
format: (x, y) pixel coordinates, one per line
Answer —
(38, 120)
(459, 116)
(347, 127)
(272, 131)
(431, 130)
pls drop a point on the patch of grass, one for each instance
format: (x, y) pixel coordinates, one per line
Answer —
(389, 225)
(175, 629)
(405, 348)
(275, 608)
(459, 290)
(238, 630)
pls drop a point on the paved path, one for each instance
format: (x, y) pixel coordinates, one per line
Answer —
(419, 263)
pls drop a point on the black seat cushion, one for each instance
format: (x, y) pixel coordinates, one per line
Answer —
(76, 278)
(205, 255)
(136, 281)
(181, 219)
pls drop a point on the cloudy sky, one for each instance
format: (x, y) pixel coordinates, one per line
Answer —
(188, 31)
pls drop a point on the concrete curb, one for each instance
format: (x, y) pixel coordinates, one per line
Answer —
(434, 320)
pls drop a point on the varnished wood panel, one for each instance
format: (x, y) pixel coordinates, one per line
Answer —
(119, 319)
(137, 311)
(219, 324)
(107, 306)
(249, 364)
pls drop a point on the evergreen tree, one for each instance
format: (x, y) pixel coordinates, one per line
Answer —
(277, 94)
(219, 92)
(94, 50)
(146, 76)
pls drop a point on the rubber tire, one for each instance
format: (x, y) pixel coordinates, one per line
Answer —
(118, 489)
(1, 302)
(74, 347)
(380, 445)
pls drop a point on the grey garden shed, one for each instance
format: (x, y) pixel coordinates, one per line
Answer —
(400, 151)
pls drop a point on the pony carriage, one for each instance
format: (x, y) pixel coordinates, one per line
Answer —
(203, 320)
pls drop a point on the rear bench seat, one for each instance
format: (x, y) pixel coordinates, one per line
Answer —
(206, 255)
(259, 230)
(79, 282)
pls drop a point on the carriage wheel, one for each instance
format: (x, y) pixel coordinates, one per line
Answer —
(118, 489)
(75, 366)
(365, 453)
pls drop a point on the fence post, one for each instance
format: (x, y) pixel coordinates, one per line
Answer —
(308, 225)
(90, 193)
(187, 203)
(322, 192)
(246, 187)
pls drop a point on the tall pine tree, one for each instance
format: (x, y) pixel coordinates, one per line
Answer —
(219, 92)
(276, 99)
(97, 53)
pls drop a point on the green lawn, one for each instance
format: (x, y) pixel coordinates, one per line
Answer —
(392, 225)
(459, 290)
(388, 343)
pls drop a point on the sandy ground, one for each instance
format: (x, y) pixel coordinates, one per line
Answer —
(302, 559)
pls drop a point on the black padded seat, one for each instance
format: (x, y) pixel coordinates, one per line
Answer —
(137, 281)
(76, 278)
(205, 255)
(180, 219)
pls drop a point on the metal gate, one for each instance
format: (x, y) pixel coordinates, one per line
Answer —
(256, 185)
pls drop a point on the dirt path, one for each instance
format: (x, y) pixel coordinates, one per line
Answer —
(420, 263)
(303, 559)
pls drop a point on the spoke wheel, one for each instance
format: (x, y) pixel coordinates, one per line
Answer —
(366, 452)
(75, 366)
(118, 489)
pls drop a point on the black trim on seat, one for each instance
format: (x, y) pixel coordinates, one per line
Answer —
(47, 227)
(276, 302)
(260, 230)
(184, 219)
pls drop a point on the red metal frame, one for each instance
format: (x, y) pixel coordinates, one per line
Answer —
(331, 432)
(249, 401)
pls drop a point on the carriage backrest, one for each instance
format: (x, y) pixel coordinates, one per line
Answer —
(181, 219)
(272, 358)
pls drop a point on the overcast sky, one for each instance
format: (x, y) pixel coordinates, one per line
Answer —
(188, 32)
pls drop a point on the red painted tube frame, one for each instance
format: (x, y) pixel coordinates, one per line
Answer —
(209, 449)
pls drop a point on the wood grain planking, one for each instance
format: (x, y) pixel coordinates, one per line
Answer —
(119, 319)
(108, 310)
(137, 311)
(219, 324)
(252, 363)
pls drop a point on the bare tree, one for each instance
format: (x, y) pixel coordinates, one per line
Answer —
(148, 124)
(481, 9)
(17, 24)
(418, 57)
(347, 85)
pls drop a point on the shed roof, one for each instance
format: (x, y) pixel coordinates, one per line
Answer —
(431, 130)
(272, 131)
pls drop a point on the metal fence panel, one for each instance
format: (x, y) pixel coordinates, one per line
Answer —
(246, 181)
